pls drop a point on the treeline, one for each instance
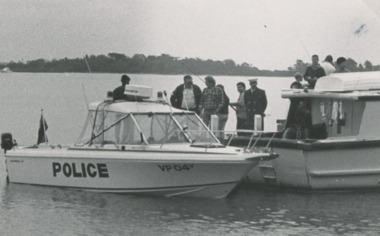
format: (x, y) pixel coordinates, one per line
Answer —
(350, 65)
(163, 64)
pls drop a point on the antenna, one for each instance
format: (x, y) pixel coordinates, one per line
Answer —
(85, 97)
(88, 65)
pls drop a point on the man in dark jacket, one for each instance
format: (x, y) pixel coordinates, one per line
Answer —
(118, 93)
(255, 104)
(314, 72)
(187, 96)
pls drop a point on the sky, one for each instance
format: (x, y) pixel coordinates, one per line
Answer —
(268, 34)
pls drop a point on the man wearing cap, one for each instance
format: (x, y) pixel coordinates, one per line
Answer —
(187, 96)
(118, 93)
(297, 84)
(212, 100)
(255, 101)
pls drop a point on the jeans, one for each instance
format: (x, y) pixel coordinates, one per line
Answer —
(221, 124)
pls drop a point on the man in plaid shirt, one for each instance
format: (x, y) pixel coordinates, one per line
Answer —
(212, 100)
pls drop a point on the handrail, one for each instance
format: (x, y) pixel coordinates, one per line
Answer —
(254, 144)
(254, 134)
(250, 141)
(271, 139)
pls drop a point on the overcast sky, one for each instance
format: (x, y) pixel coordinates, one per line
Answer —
(269, 34)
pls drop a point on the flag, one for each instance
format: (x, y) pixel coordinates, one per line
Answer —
(42, 137)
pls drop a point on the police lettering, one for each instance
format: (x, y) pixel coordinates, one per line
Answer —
(168, 168)
(81, 170)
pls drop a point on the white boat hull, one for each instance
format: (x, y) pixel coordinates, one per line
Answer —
(168, 174)
(330, 169)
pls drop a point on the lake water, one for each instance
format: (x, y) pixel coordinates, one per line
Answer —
(34, 210)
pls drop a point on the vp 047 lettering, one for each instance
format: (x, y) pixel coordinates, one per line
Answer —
(167, 168)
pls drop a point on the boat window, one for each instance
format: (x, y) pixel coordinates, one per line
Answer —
(322, 118)
(160, 128)
(109, 128)
(340, 117)
(121, 128)
(86, 131)
(194, 127)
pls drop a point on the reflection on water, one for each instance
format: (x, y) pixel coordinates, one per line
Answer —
(35, 210)
(47, 210)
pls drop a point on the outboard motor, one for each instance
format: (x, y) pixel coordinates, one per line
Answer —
(6, 141)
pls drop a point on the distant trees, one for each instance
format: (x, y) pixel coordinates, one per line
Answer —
(300, 66)
(368, 66)
(164, 64)
(350, 64)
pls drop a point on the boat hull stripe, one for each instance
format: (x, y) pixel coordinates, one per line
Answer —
(134, 189)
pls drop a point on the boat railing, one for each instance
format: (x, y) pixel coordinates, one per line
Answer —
(254, 136)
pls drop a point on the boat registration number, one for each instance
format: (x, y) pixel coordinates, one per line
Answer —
(184, 167)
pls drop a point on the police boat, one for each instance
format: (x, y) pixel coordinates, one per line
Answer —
(143, 146)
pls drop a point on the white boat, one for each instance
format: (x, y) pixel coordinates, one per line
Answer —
(6, 70)
(331, 138)
(136, 147)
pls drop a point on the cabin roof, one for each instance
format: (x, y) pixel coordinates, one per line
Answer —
(343, 82)
(137, 107)
(356, 86)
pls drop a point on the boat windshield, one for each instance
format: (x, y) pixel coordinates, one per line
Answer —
(106, 127)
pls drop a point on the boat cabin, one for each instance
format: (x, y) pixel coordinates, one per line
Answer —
(142, 121)
(345, 105)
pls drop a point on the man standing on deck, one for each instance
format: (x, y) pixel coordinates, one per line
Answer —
(313, 72)
(256, 102)
(223, 113)
(118, 93)
(124, 128)
(341, 65)
(328, 65)
(241, 115)
(187, 96)
(212, 100)
(298, 83)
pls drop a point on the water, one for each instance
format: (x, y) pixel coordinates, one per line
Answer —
(33, 210)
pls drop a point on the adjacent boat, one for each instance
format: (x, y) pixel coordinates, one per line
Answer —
(141, 146)
(331, 138)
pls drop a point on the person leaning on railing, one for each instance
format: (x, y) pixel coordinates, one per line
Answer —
(239, 106)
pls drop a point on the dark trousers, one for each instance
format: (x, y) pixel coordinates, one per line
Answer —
(240, 124)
